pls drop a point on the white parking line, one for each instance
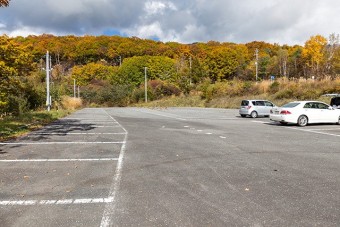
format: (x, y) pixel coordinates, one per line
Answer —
(312, 131)
(317, 131)
(54, 202)
(51, 143)
(110, 207)
(77, 133)
(162, 115)
(62, 160)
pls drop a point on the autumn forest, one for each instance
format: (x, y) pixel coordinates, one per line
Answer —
(110, 70)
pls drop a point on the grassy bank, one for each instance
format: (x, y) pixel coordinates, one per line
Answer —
(228, 94)
(11, 127)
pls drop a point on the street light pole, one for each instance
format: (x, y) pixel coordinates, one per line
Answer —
(146, 85)
(256, 62)
(48, 98)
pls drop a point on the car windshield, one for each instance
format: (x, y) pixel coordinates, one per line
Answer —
(291, 105)
(244, 103)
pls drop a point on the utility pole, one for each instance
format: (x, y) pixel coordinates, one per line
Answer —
(256, 62)
(190, 64)
(74, 88)
(48, 97)
(146, 85)
(120, 60)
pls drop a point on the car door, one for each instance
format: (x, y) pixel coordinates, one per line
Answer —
(327, 114)
(261, 108)
(310, 109)
(268, 107)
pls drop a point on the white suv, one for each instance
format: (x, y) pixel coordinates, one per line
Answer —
(255, 108)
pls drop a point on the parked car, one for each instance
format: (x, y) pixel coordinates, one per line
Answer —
(335, 102)
(305, 112)
(255, 108)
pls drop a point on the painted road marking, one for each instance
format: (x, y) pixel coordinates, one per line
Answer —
(62, 160)
(316, 131)
(162, 115)
(110, 207)
(208, 133)
(54, 202)
(223, 137)
(50, 143)
(77, 133)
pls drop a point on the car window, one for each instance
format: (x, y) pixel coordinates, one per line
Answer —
(321, 105)
(308, 105)
(259, 103)
(244, 103)
(291, 105)
(268, 103)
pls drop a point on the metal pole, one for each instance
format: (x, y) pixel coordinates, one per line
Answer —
(146, 85)
(190, 63)
(256, 62)
(78, 92)
(48, 99)
(74, 88)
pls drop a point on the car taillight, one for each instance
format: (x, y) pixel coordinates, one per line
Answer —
(271, 111)
(248, 107)
(285, 112)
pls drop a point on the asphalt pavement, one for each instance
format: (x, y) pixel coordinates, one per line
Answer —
(171, 167)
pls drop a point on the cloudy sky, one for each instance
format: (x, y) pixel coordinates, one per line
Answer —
(185, 21)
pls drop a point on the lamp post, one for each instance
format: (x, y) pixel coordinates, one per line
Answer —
(48, 98)
(146, 84)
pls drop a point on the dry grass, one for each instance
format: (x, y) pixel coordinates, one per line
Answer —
(71, 103)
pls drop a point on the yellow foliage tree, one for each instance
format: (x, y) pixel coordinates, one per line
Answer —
(4, 3)
(313, 52)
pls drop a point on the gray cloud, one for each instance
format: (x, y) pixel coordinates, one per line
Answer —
(279, 21)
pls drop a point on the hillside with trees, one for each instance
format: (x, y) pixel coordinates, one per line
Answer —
(110, 70)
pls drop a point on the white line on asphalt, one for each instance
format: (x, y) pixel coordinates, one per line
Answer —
(208, 133)
(223, 137)
(54, 202)
(324, 129)
(62, 160)
(162, 115)
(110, 207)
(77, 133)
(306, 130)
(50, 143)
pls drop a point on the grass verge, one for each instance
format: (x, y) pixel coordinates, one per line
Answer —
(12, 127)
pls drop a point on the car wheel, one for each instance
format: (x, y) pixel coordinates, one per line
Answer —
(302, 120)
(253, 114)
(243, 115)
(338, 121)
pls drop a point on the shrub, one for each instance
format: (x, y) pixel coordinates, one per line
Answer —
(71, 103)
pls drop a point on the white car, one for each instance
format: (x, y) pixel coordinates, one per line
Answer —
(255, 108)
(305, 112)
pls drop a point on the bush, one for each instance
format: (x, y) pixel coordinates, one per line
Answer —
(71, 103)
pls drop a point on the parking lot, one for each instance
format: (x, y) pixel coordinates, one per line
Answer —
(171, 167)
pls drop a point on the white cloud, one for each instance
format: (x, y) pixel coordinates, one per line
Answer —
(279, 21)
(156, 7)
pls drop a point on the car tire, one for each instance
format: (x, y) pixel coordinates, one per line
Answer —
(302, 121)
(338, 121)
(243, 115)
(254, 114)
